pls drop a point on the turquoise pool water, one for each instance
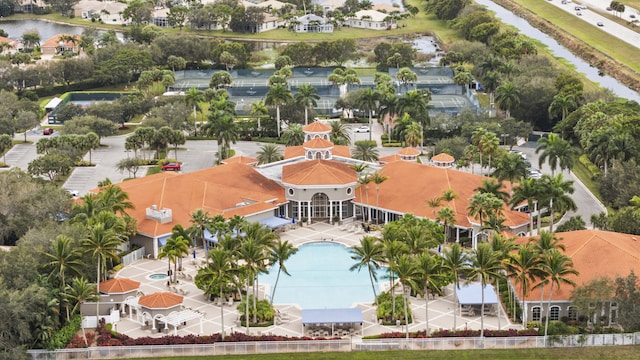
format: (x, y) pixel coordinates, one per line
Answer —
(320, 279)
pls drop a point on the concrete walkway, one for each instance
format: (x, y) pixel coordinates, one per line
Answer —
(440, 309)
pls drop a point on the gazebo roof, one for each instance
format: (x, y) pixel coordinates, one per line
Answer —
(443, 158)
(316, 127)
(119, 286)
(160, 300)
(409, 151)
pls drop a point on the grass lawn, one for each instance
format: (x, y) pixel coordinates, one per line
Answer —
(581, 29)
(586, 353)
(585, 176)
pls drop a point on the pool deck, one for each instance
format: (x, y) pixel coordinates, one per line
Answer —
(440, 308)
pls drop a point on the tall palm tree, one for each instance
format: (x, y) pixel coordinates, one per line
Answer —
(193, 97)
(446, 216)
(219, 274)
(258, 109)
(254, 256)
(200, 220)
(277, 96)
(523, 267)
(432, 274)
(112, 198)
(557, 190)
(485, 264)
(359, 168)
(413, 135)
(455, 261)
(378, 179)
(168, 251)
(269, 153)
(544, 245)
(77, 293)
(225, 129)
(557, 150)
(482, 204)
(64, 258)
(392, 249)
(527, 190)
(503, 246)
(476, 140)
(407, 271)
(559, 268)
(293, 136)
(307, 97)
(508, 97)
(510, 167)
(280, 253)
(491, 186)
(562, 104)
(416, 104)
(369, 254)
(365, 151)
(490, 144)
(339, 133)
(367, 100)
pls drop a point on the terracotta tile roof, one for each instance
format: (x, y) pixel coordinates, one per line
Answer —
(228, 190)
(240, 159)
(341, 150)
(55, 41)
(318, 143)
(410, 184)
(595, 253)
(318, 172)
(443, 158)
(409, 151)
(316, 127)
(119, 286)
(293, 151)
(390, 158)
(12, 43)
(160, 300)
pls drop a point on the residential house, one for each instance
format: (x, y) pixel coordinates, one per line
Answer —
(108, 12)
(9, 46)
(312, 23)
(55, 46)
(372, 20)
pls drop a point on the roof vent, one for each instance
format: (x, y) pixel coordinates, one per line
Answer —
(162, 216)
(154, 207)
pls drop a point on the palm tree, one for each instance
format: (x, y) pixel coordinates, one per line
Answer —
(258, 109)
(293, 136)
(432, 274)
(307, 97)
(557, 190)
(277, 96)
(269, 153)
(254, 256)
(482, 204)
(63, 259)
(446, 216)
(503, 246)
(392, 249)
(485, 264)
(416, 104)
(523, 267)
(508, 97)
(378, 179)
(413, 135)
(559, 268)
(339, 133)
(281, 252)
(455, 261)
(557, 150)
(476, 140)
(490, 144)
(200, 220)
(365, 151)
(544, 244)
(527, 190)
(562, 104)
(168, 251)
(369, 254)
(113, 199)
(192, 97)
(510, 167)
(220, 272)
(79, 292)
(225, 129)
(491, 186)
(407, 271)
(367, 100)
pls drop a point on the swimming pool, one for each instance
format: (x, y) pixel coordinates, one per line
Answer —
(320, 279)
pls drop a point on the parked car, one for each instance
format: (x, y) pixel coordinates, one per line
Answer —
(172, 166)
(534, 173)
(47, 131)
(362, 129)
(600, 23)
(522, 155)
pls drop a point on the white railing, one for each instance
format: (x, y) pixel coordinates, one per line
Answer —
(132, 256)
(264, 347)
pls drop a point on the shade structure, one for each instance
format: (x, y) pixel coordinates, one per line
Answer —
(119, 286)
(331, 316)
(275, 222)
(471, 294)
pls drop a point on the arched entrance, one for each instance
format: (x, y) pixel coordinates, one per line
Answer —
(320, 206)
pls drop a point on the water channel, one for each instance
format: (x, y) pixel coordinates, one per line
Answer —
(15, 29)
(560, 51)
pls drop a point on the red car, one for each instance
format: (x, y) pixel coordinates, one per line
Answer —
(173, 166)
(47, 131)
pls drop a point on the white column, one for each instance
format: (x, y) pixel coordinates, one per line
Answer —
(309, 212)
(330, 211)
(299, 210)
(457, 234)
(340, 208)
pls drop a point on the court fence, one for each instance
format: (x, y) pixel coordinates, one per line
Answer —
(265, 347)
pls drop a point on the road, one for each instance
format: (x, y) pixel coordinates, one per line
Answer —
(593, 17)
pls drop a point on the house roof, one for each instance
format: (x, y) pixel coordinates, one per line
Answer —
(318, 143)
(316, 127)
(13, 43)
(160, 300)
(54, 41)
(595, 253)
(232, 189)
(409, 151)
(390, 158)
(119, 286)
(409, 184)
(274, 4)
(318, 172)
(387, 7)
(443, 158)
(373, 14)
(240, 159)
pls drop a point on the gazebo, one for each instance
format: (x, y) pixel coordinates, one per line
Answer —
(118, 289)
(443, 160)
(409, 153)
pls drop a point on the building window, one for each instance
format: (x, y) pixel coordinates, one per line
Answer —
(291, 192)
(554, 314)
(349, 191)
(572, 313)
(320, 206)
(535, 313)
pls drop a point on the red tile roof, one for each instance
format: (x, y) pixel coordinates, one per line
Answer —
(409, 151)
(317, 143)
(316, 127)
(318, 172)
(410, 184)
(119, 286)
(54, 41)
(390, 158)
(240, 159)
(160, 300)
(595, 253)
(443, 158)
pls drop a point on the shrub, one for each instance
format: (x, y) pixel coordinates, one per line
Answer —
(385, 306)
(264, 311)
(62, 337)
(392, 144)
